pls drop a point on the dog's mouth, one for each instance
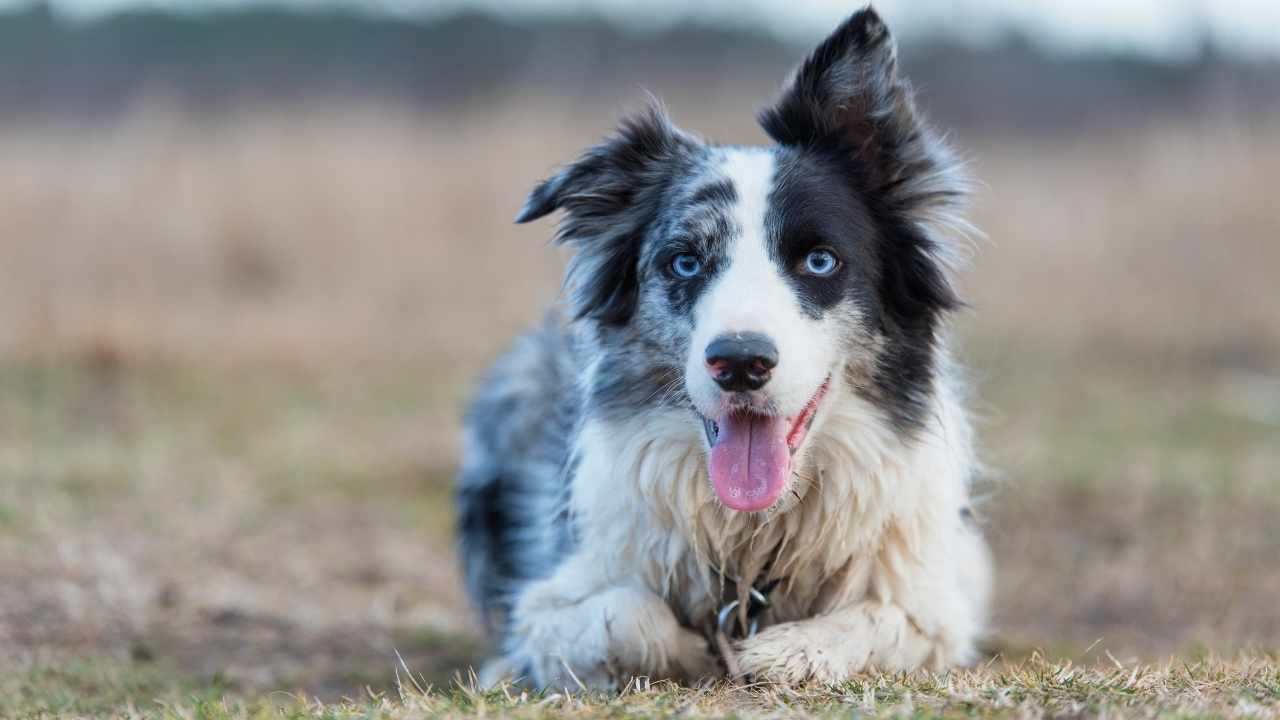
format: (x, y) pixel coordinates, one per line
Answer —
(751, 453)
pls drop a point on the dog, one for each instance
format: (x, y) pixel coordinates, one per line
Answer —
(740, 445)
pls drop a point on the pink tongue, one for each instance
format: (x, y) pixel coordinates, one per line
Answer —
(750, 461)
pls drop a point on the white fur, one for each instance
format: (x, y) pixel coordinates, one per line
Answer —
(751, 295)
(880, 569)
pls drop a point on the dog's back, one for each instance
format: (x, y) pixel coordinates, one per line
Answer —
(511, 490)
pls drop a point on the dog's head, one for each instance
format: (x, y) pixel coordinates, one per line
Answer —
(747, 284)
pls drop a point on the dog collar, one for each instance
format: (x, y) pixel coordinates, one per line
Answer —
(730, 621)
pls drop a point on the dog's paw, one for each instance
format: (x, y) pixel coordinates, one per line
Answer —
(602, 640)
(505, 669)
(536, 671)
(693, 660)
(797, 652)
(686, 658)
(830, 649)
(555, 673)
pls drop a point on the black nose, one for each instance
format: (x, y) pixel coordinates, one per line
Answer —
(741, 361)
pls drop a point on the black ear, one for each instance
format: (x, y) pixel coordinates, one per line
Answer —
(611, 195)
(544, 199)
(847, 94)
(848, 99)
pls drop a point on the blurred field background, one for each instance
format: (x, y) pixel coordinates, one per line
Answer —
(252, 261)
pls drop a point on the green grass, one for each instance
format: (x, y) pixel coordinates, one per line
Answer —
(1206, 688)
(104, 689)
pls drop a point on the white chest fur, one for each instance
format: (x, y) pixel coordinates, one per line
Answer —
(646, 510)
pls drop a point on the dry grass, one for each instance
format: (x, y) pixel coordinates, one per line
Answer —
(232, 358)
(1248, 687)
(317, 235)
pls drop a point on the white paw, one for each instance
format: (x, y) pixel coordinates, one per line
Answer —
(832, 648)
(794, 653)
(601, 641)
(554, 672)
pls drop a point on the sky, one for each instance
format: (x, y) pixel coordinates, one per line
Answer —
(1160, 28)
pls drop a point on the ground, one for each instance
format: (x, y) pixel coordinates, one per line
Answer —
(228, 429)
(1034, 688)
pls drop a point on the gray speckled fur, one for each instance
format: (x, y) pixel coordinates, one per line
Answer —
(512, 485)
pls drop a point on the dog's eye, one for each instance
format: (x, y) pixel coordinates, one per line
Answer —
(821, 262)
(686, 266)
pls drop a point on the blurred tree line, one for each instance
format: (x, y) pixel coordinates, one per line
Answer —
(216, 61)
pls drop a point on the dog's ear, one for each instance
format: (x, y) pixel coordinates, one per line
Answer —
(848, 99)
(848, 95)
(611, 195)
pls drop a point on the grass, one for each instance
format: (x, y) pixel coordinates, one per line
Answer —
(294, 540)
(1246, 687)
(84, 688)
(227, 430)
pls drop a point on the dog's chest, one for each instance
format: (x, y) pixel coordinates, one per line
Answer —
(663, 524)
(788, 581)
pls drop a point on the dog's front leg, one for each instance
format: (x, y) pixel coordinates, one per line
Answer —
(576, 628)
(832, 647)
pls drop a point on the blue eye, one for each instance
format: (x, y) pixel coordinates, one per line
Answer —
(686, 266)
(821, 262)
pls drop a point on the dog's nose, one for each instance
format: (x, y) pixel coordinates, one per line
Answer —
(741, 361)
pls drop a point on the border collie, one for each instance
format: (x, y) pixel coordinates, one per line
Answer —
(741, 448)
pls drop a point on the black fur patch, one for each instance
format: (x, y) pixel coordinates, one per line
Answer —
(834, 96)
(849, 113)
(815, 202)
(718, 193)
